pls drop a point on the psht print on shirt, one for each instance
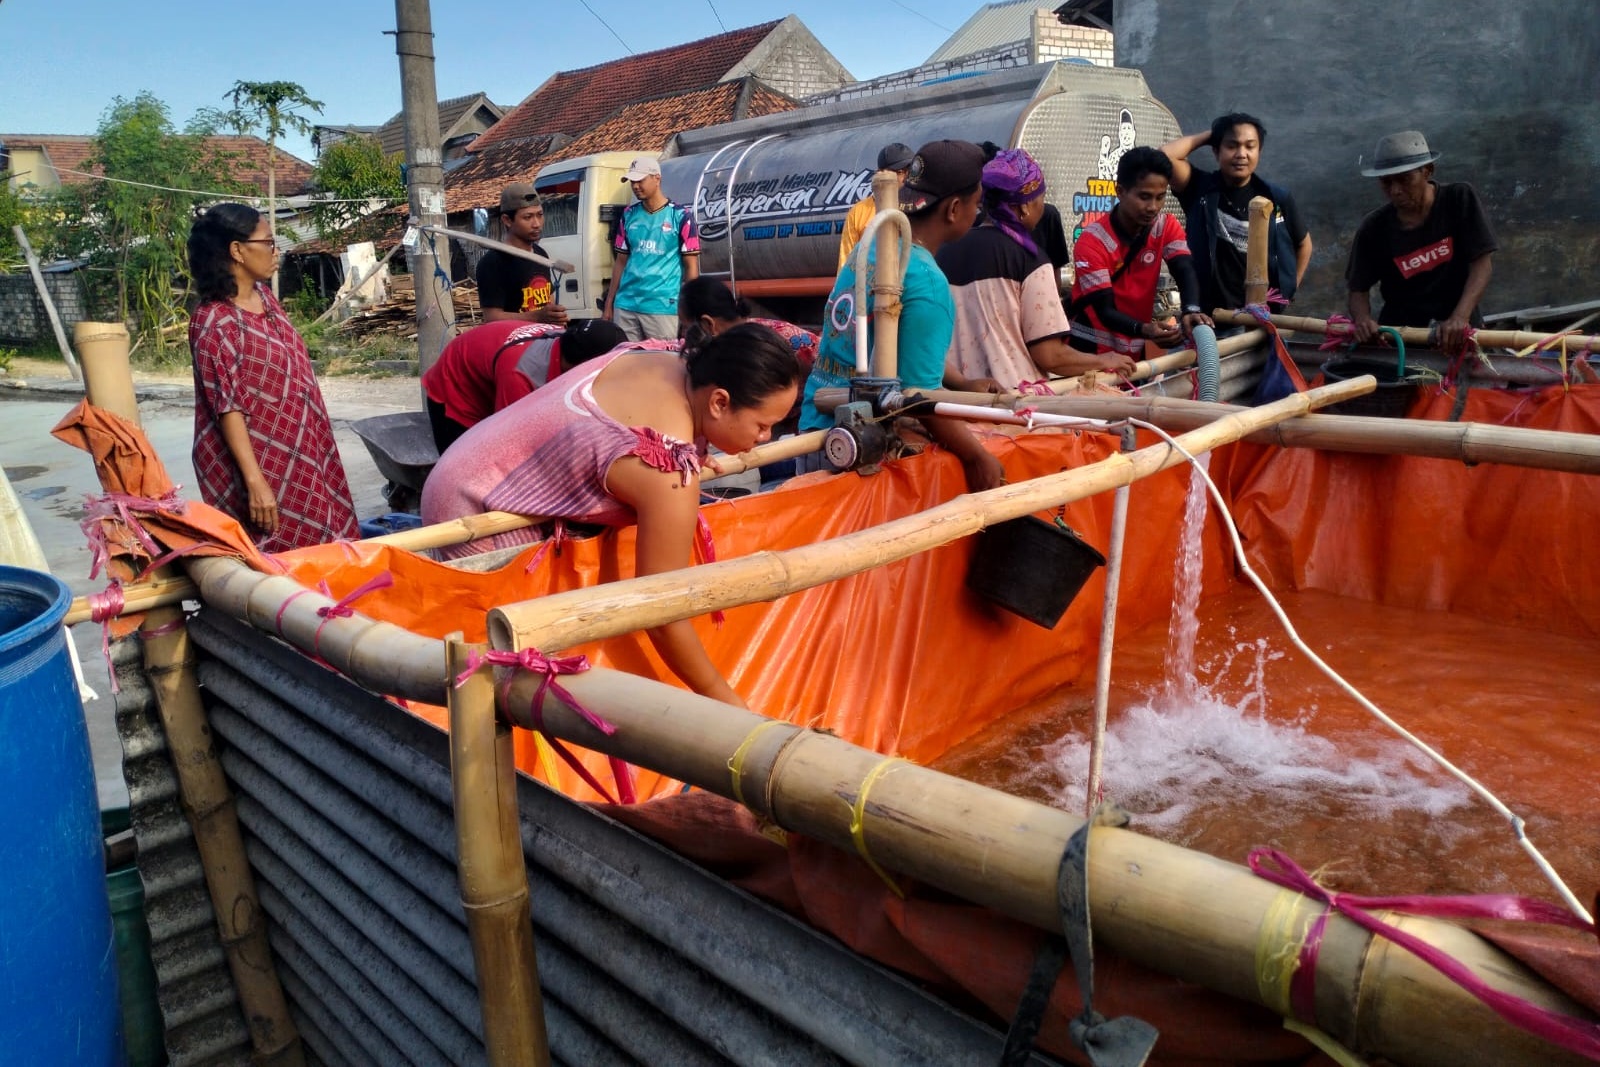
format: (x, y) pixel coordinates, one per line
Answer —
(1417, 262)
(536, 294)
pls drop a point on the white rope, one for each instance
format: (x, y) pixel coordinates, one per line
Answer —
(1518, 826)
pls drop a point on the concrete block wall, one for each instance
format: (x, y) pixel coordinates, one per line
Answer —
(1001, 57)
(1510, 93)
(1054, 40)
(23, 320)
(799, 72)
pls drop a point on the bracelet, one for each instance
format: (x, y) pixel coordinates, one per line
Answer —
(1193, 309)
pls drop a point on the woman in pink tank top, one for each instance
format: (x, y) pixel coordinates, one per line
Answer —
(619, 440)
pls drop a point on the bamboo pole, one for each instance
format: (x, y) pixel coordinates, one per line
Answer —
(494, 880)
(1256, 277)
(1470, 443)
(107, 379)
(772, 452)
(1416, 335)
(49, 304)
(208, 803)
(1178, 912)
(562, 620)
(887, 284)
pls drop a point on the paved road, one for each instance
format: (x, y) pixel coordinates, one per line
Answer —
(52, 480)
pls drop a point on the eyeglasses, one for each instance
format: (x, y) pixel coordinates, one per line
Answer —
(256, 241)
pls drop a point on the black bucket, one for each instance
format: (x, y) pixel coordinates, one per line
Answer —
(1390, 400)
(1032, 568)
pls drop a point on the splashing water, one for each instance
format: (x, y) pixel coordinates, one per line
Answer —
(1187, 748)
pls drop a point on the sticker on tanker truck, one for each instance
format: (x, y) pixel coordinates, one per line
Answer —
(758, 204)
(1099, 193)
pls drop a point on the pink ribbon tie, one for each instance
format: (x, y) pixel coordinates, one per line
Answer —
(549, 668)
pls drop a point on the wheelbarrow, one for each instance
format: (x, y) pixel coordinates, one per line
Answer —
(401, 446)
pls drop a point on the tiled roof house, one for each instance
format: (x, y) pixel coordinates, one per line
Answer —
(641, 100)
(461, 120)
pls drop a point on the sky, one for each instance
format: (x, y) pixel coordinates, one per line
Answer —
(66, 60)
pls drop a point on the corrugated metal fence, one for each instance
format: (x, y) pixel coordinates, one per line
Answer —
(345, 804)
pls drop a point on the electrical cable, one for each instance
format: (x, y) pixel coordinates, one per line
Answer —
(718, 14)
(215, 193)
(607, 25)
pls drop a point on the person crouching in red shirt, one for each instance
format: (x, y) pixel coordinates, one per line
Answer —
(494, 365)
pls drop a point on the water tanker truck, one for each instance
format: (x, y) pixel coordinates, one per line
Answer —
(770, 194)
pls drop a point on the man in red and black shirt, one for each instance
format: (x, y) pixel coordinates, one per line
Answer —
(510, 287)
(1429, 250)
(494, 365)
(1117, 263)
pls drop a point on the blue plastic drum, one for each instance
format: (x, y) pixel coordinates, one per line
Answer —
(58, 970)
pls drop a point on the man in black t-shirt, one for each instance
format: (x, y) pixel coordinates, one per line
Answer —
(510, 287)
(1216, 208)
(1430, 249)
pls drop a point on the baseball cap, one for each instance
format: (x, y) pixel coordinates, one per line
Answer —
(895, 156)
(642, 167)
(516, 196)
(940, 169)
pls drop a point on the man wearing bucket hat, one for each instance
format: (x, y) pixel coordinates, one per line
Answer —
(1429, 249)
(657, 249)
(896, 157)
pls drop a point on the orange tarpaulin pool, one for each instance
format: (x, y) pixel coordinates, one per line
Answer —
(1385, 561)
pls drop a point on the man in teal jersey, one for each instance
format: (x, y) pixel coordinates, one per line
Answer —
(657, 250)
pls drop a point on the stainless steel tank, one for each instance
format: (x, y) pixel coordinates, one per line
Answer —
(787, 180)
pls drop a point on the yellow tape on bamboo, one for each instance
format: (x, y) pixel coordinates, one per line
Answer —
(1283, 934)
(736, 761)
(858, 812)
(1279, 952)
(547, 759)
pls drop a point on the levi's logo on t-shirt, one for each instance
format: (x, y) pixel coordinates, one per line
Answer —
(1434, 255)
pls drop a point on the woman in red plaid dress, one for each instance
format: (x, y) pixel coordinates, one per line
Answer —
(263, 446)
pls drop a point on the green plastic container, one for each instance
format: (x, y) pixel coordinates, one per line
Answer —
(143, 1032)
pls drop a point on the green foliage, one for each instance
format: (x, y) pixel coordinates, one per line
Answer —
(355, 170)
(133, 233)
(7, 357)
(273, 108)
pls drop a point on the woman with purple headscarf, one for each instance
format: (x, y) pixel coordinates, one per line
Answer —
(1010, 325)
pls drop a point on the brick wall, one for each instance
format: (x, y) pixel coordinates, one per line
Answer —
(23, 320)
(1053, 40)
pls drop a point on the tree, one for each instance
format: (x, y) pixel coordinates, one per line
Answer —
(134, 222)
(275, 108)
(352, 172)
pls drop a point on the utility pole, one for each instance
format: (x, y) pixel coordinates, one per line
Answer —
(428, 255)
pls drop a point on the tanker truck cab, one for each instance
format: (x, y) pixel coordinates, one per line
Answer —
(583, 199)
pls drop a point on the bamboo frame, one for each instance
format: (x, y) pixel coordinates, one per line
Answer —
(1184, 914)
(494, 880)
(1181, 913)
(562, 620)
(887, 285)
(1413, 335)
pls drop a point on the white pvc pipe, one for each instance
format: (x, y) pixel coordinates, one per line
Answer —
(1015, 418)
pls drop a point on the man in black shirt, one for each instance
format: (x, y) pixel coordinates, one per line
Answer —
(510, 287)
(1430, 249)
(1216, 207)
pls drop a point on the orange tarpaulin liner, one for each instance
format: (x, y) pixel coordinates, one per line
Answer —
(906, 661)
